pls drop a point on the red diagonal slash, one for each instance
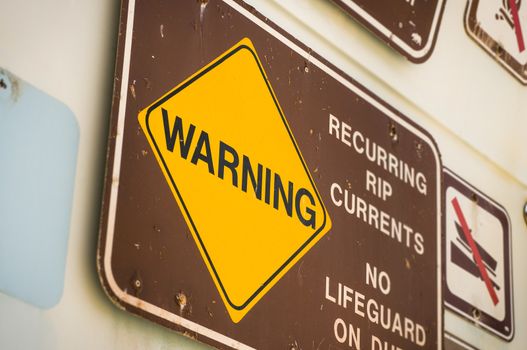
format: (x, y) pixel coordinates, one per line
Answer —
(475, 251)
(517, 25)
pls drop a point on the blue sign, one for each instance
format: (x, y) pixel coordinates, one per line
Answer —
(38, 153)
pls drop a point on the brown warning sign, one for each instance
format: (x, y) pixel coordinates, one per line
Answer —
(258, 198)
(409, 26)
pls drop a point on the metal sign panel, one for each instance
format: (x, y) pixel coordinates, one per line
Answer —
(478, 257)
(409, 26)
(228, 137)
(498, 26)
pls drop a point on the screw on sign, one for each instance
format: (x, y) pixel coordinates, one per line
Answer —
(499, 26)
(478, 257)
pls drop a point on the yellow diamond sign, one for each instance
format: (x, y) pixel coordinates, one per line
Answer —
(236, 172)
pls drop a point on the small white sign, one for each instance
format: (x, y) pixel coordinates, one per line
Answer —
(478, 258)
(463, 274)
(500, 27)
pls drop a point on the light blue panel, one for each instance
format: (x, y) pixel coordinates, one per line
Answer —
(38, 152)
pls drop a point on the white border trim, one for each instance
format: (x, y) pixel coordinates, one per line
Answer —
(417, 54)
(452, 307)
(481, 43)
(176, 319)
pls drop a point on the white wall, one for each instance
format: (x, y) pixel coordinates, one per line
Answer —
(473, 108)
